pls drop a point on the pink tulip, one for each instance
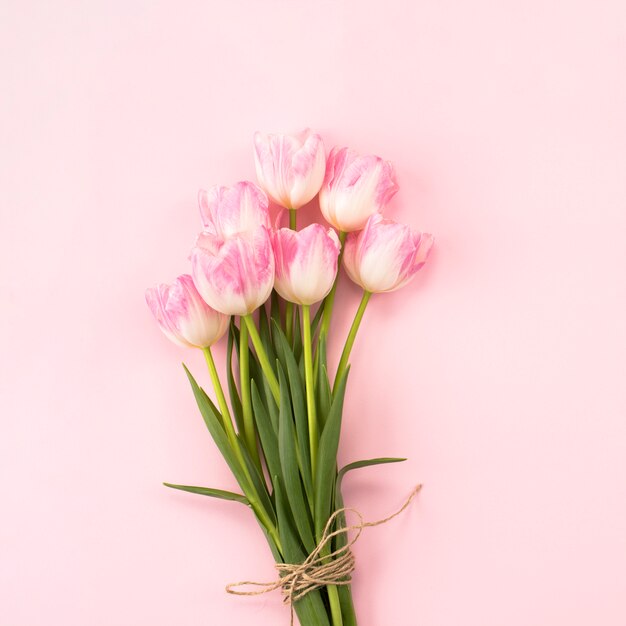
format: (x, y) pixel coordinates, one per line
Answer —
(385, 255)
(354, 188)
(290, 168)
(184, 316)
(228, 211)
(306, 263)
(236, 275)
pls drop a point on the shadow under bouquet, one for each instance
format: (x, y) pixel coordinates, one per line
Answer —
(276, 419)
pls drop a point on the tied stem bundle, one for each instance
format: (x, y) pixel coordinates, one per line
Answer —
(319, 570)
(276, 408)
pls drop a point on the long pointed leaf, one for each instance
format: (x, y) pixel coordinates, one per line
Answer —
(310, 609)
(345, 593)
(270, 404)
(233, 392)
(265, 332)
(213, 422)
(279, 353)
(297, 335)
(325, 476)
(296, 387)
(365, 463)
(316, 320)
(256, 373)
(275, 308)
(324, 391)
(267, 435)
(289, 464)
(258, 481)
(289, 537)
(213, 493)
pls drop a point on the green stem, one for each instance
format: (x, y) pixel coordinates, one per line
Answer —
(262, 356)
(310, 388)
(293, 219)
(345, 355)
(335, 606)
(249, 432)
(329, 301)
(221, 398)
(250, 491)
(289, 322)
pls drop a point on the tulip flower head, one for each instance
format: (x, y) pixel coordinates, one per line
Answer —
(385, 255)
(354, 188)
(236, 275)
(229, 211)
(306, 263)
(184, 316)
(290, 168)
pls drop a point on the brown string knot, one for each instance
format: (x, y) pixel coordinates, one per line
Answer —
(322, 567)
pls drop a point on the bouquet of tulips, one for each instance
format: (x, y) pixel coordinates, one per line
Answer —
(271, 290)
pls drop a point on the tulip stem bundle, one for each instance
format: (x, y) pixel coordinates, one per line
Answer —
(279, 429)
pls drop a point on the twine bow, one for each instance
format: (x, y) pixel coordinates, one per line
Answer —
(319, 568)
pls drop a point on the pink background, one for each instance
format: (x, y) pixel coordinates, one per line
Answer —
(499, 371)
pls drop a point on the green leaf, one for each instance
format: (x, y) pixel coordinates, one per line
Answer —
(310, 609)
(263, 320)
(265, 393)
(348, 614)
(325, 475)
(233, 392)
(257, 372)
(213, 493)
(340, 540)
(326, 395)
(265, 333)
(324, 392)
(267, 434)
(278, 557)
(257, 480)
(275, 308)
(365, 463)
(296, 387)
(289, 538)
(289, 463)
(270, 404)
(316, 319)
(279, 352)
(297, 334)
(345, 593)
(212, 419)
(254, 370)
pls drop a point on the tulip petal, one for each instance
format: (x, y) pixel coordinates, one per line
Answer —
(229, 211)
(306, 263)
(184, 316)
(354, 188)
(385, 255)
(290, 168)
(234, 276)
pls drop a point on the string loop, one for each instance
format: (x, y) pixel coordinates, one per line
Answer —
(319, 569)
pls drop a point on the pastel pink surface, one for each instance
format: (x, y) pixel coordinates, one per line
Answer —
(498, 371)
